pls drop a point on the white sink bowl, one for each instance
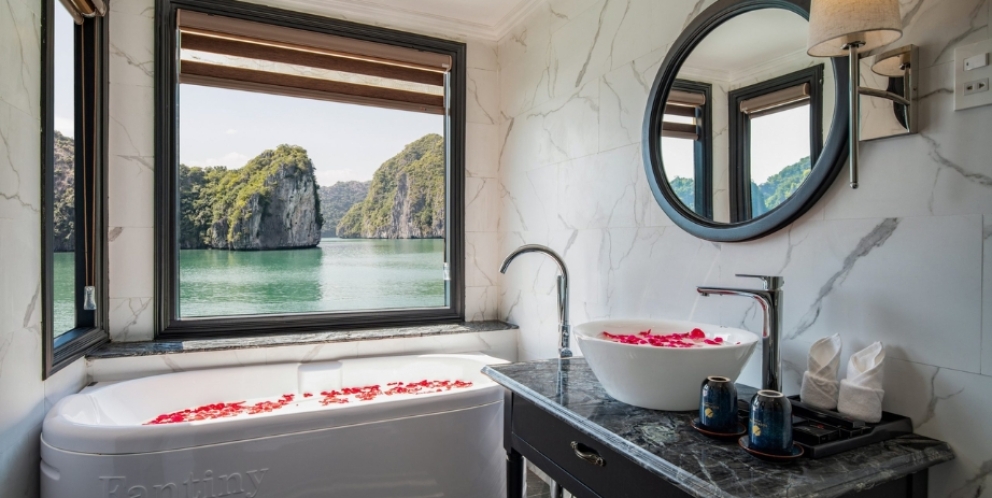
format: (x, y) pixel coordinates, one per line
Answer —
(661, 378)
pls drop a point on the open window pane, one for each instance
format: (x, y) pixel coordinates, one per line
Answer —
(678, 155)
(296, 205)
(64, 107)
(780, 156)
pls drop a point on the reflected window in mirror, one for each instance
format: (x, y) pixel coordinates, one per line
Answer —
(776, 135)
(687, 146)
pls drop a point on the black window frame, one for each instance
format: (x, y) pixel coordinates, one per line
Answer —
(168, 325)
(703, 147)
(739, 133)
(91, 69)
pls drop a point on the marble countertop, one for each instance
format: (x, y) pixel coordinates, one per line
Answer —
(665, 444)
(146, 348)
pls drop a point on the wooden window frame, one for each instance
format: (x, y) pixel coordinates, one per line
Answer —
(168, 325)
(739, 133)
(91, 61)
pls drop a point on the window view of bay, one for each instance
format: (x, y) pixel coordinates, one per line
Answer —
(292, 206)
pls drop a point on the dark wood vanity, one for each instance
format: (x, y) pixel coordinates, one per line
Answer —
(559, 418)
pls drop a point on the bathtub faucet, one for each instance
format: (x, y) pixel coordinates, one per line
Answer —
(564, 329)
(770, 299)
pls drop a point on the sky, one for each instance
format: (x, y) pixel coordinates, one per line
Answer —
(777, 140)
(64, 32)
(220, 127)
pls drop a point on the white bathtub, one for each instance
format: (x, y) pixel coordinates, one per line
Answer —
(449, 444)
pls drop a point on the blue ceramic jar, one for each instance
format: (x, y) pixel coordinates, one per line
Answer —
(718, 405)
(770, 423)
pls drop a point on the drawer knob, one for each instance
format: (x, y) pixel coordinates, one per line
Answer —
(588, 454)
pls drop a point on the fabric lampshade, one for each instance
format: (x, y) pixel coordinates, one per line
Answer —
(834, 24)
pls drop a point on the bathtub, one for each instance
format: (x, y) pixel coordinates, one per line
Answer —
(447, 444)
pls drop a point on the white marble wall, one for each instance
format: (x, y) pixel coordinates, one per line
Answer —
(904, 259)
(24, 397)
(132, 163)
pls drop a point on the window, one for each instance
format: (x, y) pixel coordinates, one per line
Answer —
(687, 149)
(310, 173)
(74, 289)
(775, 136)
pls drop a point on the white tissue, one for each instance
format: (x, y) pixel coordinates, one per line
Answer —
(820, 386)
(861, 392)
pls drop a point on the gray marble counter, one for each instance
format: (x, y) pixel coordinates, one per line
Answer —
(665, 444)
(146, 348)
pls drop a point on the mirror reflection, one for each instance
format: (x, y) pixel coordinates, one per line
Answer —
(744, 122)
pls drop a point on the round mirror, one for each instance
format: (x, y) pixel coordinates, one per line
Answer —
(739, 132)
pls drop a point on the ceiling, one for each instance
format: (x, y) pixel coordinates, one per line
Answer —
(750, 39)
(488, 19)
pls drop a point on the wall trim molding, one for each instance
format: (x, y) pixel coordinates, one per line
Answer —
(368, 13)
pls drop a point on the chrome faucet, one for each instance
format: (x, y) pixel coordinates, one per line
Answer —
(770, 299)
(564, 329)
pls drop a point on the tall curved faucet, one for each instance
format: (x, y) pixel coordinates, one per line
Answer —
(564, 330)
(770, 300)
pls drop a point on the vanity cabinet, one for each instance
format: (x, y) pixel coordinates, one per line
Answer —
(559, 418)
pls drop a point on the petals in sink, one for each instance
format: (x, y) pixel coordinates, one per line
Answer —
(692, 339)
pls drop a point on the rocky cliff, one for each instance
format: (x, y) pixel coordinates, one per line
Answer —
(270, 203)
(406, 198)
(336, 200)
(65, 198)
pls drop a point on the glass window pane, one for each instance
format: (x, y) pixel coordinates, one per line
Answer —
(679, 157)
(64, 316)
(780, 157)
(292, 205)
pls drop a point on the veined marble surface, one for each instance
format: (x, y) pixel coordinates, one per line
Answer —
(145, 348)
(665, 444)
(905, 259)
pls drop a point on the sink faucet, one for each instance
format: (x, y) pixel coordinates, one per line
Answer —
(563, 328)
(770, 299)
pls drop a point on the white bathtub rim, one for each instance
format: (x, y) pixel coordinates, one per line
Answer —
(63, 434)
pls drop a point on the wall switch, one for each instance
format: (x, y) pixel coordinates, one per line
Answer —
(972, 73)
(976, 61)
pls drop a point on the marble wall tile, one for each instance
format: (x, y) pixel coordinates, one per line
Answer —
(896, 260)
(942, 403)
(131, 318)
(548, 134)
(481, 204)
(482, 98)
(482, 150)
(20, 174)
(482, 54)
(987, 297)
(608, 189)
(481, 303)
(20, 56)
(937, 26)
(623, 97)
(132, 45)
(481, 263)
(130, 262)
(24, 395)
(528, 200)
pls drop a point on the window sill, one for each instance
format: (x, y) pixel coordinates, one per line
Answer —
(151, 348)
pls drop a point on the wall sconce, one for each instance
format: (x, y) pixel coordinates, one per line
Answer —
(851, 28)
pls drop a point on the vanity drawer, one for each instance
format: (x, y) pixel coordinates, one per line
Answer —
(611, 475)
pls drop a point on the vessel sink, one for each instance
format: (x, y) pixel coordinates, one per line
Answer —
(661, 378)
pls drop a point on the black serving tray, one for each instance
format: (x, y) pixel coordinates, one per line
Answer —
(835, 432)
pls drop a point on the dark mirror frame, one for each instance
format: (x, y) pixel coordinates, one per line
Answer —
(824, 171)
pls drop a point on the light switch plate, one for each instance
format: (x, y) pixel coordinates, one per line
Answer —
(970, 81)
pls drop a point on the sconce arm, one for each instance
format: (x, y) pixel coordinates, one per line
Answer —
(882, 94)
